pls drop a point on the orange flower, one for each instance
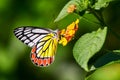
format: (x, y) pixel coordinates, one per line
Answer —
(71, 8)
(68, 34)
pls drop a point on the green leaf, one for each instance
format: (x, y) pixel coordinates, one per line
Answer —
(110, 71)
(88, 45)
(80, 6)
(101, 4)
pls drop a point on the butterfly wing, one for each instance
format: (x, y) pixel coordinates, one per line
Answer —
(42, 54)
(30, 35)
(43, 43)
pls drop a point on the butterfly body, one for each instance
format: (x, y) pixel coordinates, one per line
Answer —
(43, 43)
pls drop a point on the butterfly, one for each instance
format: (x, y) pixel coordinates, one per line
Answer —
(42, 41)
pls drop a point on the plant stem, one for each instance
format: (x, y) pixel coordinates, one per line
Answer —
(99, 16)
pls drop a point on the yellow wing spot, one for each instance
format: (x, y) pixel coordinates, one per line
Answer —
(49, 48)
(48, 37)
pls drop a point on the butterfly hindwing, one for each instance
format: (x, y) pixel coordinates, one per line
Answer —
(43, 43)
(42, 54)
(30, 35)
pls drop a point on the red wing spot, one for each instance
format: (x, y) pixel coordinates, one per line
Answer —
(39, 61)
(35, 60)
(33, 49)
(44, 62)
(48, 61)
(51, 59)
(33, 55)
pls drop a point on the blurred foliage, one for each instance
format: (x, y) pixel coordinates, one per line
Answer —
(15, 62)
(106, 71)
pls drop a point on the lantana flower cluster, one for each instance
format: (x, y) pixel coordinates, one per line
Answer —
(67, 34)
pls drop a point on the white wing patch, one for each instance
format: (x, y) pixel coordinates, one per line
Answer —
(34, 36)
(39, 30)
(30, 35)
(26, 41)
(38, 38)
(23, 38)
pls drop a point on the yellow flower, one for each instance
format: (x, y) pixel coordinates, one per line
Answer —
(63, 41)
(77, 21)
(62, 32)
(68, 34)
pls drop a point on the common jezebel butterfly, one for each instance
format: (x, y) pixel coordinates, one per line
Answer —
(43, 42)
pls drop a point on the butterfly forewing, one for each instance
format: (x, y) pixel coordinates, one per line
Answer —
(30, 35)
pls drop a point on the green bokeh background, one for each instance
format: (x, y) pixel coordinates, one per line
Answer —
(15, 63)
